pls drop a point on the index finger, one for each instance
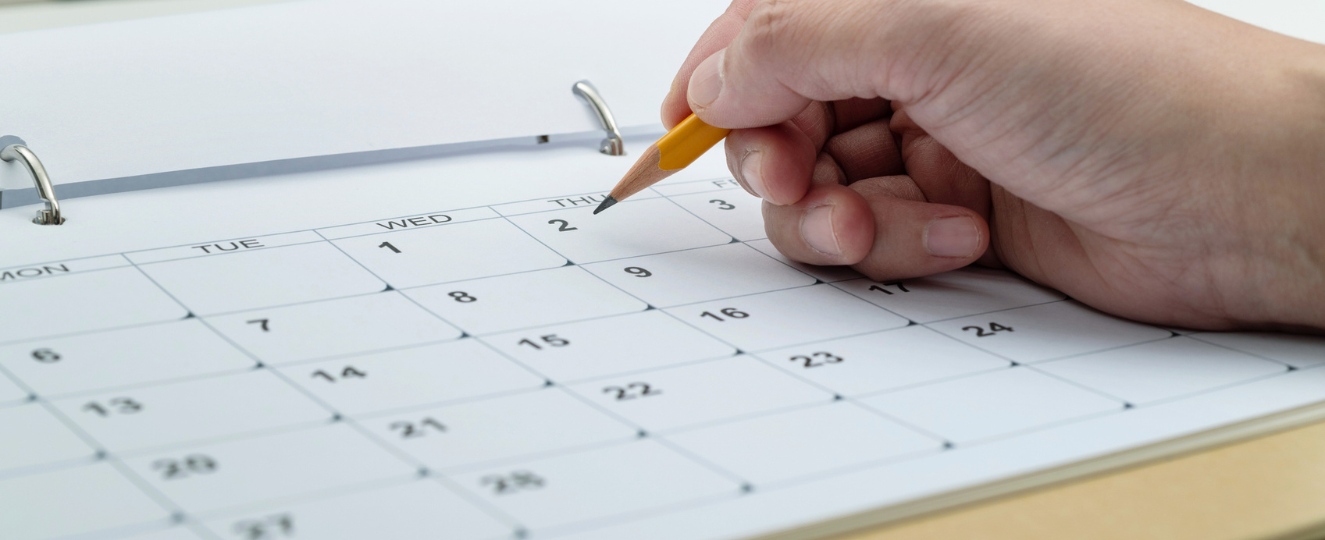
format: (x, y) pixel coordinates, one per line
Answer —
(675, 108)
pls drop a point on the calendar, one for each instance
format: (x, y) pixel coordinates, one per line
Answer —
(314, 356)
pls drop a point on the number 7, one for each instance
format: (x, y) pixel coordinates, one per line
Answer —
(262, 322)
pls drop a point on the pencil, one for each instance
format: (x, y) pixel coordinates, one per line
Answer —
(674, 151)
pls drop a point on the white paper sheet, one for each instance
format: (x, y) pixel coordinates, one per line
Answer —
(460, 336)
(323, 77)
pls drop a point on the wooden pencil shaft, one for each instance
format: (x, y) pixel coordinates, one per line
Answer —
(674, 151)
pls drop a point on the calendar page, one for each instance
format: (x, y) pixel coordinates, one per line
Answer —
(458, 349)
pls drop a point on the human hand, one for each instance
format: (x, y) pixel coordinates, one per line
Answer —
(1147, 157)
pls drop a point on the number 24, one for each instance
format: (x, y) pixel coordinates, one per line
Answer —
(993, 329)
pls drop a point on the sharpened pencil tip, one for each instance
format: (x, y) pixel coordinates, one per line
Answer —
(607, 203)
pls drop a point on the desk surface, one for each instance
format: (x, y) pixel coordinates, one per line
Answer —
(1271, 487)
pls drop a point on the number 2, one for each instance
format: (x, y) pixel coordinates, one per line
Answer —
(564, 225)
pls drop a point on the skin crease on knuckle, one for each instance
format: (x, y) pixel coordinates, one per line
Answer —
(1146, 135)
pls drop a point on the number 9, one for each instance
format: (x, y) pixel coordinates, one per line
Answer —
(638, 272)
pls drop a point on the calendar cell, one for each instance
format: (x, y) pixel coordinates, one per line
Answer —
(1295, 350)
(481, 433)
(883, 361)
(1161, 369)
(81, 302)
(804, 442)
(73, 501)
(130, 356)
(268, 277)
(599, 483)
(782, 318)
(417, 510)
(1047, 331)
(631, 229)
(497, 304)
(607, 346)
(958, 293)
(34, 437)
(333, 327)
(827, 274)
(991, 404)
(449, 253)
(696, 275)
(11, 393)
(698, 393)
(221, 476)
(733, 211)
(189, 411)
(414, 376)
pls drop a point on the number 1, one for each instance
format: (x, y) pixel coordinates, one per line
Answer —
(388, 246)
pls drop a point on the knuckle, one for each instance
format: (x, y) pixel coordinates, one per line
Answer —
(772, 21)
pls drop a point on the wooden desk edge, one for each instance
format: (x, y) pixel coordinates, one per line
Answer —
(1268, 486)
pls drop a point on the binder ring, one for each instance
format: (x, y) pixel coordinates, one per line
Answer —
(612, 145)
(51, 215)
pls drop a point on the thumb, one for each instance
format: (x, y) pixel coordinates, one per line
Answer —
(789, 53)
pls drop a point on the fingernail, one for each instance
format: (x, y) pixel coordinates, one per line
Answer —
(817, 230)
(751, 166)
(952, 237)
(706, 81)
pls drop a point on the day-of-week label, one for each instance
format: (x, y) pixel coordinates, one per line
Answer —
(697, 187)
(421, 221)
(589, 200)
(220, 247)
(571, 202)
(34, 271)
(406, 223)
(233, 245)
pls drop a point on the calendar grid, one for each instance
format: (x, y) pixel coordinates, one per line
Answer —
(679, 440)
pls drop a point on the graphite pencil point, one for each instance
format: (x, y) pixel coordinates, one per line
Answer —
(607, 203)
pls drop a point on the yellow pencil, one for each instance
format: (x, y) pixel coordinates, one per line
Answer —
(679, 147)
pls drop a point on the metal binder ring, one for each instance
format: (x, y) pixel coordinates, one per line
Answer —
(612, 145)
(51, 215)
